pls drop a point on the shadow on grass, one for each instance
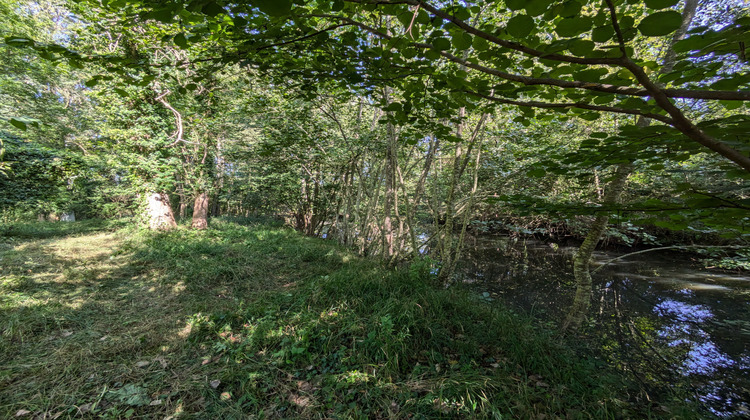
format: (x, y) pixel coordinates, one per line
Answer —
(41, 230)
(249, 319)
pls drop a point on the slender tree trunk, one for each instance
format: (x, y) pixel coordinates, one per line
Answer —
(159, 212)
(200, 211)
(183, 199)
(390, 186)
(219, 180)
(582, 259)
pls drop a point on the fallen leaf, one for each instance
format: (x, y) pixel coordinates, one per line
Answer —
(142, 363)
(104, 338)
(155, 402)
(215, 383)
(211, 360)
(67, 333)
(304, 386)
(226, 396)
(22, 413)
(162, 361)
(84, 408)
(395, 408)
(299, 401)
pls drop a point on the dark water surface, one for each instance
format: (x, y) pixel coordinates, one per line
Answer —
(659, 314)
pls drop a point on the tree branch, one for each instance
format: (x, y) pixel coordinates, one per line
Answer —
(530, 81)
(581, 105)
(178, 118)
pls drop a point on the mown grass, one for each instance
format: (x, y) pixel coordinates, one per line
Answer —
(255, 321)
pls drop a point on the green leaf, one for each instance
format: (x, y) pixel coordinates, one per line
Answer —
(92, 82)
(441, 44)
(18, 124)
(581, 47)
(660, 4)
(274, 7)
(520, 26)
(590, 75)
(480, 44)
(602, 33)
(536, 173)
(181, 41)
(730, 105)
(461, 41)
(18, 41)
(536, 7)
(570, 9)
(212, 9)
(590, 116)
(515, 4)
(570, 27)
(162, 15)
(660, 23)
(409, 53)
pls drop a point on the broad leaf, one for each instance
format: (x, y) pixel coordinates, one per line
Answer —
(660, 23)
(181, 41)
(274, 7)
(520, 26)
(18, 124)
(570, 27)
(660, 4)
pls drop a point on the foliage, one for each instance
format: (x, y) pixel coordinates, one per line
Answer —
(254, 318)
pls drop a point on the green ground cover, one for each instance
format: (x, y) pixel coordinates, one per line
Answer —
(252, 320)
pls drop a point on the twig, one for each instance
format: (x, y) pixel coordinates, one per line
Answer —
(664, 248)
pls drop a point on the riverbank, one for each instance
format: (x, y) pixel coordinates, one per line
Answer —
(254, 319)
(707, 246)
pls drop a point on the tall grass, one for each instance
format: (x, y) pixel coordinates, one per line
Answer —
(251, 320)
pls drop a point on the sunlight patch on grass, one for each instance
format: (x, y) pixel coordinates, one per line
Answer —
(100, 324)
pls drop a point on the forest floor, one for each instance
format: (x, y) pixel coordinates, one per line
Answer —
(253, 320)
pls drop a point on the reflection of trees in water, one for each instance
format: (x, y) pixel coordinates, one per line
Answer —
(667, 342)
(524, 272)
(667, 337)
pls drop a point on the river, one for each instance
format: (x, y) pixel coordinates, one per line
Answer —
(660, 315)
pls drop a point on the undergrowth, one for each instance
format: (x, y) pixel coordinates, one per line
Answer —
(251, 320)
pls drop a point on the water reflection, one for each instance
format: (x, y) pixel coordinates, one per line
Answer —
(695, 320)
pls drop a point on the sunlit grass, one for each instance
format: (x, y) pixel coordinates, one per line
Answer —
(253, 319)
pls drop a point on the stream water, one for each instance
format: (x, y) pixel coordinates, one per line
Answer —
(661, 314)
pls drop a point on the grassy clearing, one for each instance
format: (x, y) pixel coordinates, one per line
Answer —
(256, 321)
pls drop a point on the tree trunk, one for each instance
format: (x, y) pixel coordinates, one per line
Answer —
(183, 199)
(159, 212)
(219, 180)
(200, 211)
(582, 259)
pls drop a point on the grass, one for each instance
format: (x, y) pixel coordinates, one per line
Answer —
(252, 320)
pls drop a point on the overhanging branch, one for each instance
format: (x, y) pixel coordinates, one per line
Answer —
(580, 105)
